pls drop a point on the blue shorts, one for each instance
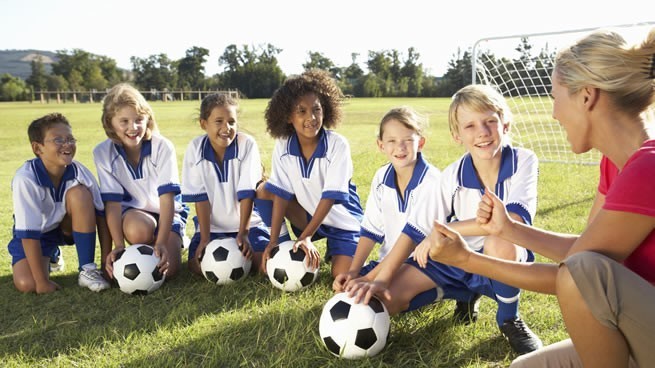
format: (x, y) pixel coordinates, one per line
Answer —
(451, 282)
(258, 237)
(50, 243)
(339, 242)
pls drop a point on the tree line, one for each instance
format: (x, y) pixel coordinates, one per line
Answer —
(254, 71)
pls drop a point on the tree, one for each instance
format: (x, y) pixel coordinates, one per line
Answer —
(191, 69)
(319, 61)
(12, 88)
(37, 80)
(254, 71)
(457, 76)
(154, 72)
(85, 71)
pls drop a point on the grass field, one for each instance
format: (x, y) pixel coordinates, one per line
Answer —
(190, 322)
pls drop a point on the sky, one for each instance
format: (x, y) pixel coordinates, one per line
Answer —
(121, 29)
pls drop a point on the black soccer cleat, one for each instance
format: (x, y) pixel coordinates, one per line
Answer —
(467, 312)
(520, 337)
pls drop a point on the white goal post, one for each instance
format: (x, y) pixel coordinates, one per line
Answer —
(520, 66)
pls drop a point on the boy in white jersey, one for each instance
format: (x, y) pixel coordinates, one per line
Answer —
(220, 174)
(139, 182)
(403, 192)
(56, 201)
(479, 119)
(312, 170)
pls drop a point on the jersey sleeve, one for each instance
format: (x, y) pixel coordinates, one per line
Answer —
(168, 180)
(372, 225)
(193, 185)
(110, 188)
(339, 172)
(425, 207)
(522, 196)
(27, 199)
(250, 170)
(279, 183)
(87, 179)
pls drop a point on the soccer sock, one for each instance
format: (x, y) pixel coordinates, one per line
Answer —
(422, 299)
(508, 301)
(85, 244)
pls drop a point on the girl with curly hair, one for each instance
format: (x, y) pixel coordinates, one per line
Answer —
(310, 183)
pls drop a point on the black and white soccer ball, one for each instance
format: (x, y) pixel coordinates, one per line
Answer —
(288, 270)
(223, 263)
(352, 330)
(136, 271)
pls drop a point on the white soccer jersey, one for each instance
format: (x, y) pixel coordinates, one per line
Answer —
(39, 207)
(327, 174)
(222, 184)
(138, 187)
(516, 187)
(387, 215)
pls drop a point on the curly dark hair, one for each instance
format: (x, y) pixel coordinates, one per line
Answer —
(284, 99)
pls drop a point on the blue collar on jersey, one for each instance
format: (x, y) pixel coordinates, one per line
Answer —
(321, 150)
(468, 177)
(208, 151)
(43, 179)
(146, 150)
(418, 174)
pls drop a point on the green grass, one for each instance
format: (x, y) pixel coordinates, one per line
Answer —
(189, 322)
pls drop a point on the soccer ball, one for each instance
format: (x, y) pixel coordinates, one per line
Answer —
(352, 330)
(136, 271)
(223, 263)
(288, 270)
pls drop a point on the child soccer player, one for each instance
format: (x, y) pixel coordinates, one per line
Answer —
(312, 170)
(139, 182)
(56, 201)
(479, 119)
(220, 175)
(402, 193)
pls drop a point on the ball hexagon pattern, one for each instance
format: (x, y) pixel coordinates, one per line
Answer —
(136, 271)
(223, 263)
(288, 270)
(352, 330)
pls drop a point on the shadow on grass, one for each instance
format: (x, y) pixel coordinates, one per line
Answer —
(190, 322)
(541, 211)
(43, 326)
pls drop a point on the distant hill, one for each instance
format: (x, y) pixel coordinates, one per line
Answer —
(19, 62)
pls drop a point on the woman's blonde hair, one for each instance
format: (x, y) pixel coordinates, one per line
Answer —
(605, 61)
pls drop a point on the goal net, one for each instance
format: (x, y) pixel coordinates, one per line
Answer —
(520, 67)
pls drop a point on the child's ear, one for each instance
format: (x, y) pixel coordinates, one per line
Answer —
(456, 138)
(380, 145)
(36, 148)
(505, 128)
(421, 143)
(203, 124)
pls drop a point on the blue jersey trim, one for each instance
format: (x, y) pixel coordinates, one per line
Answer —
(27, 234)
(246, 194)
(278, 191)
(415, 234)
(339, 197)
(112, 197)
(371, 235)
(195, 197)
(521, 211)
(146, 150)
(169, 188)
